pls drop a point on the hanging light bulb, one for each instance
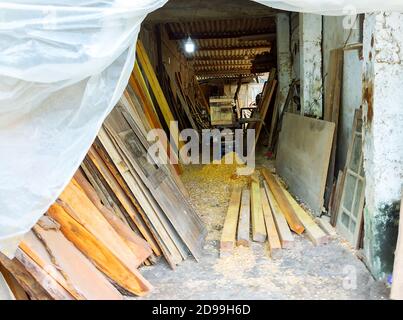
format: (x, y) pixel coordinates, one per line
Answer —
(189, 45)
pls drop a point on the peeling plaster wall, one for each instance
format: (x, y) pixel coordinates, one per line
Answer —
(283, 56)
(383, 136)
(335, 35)
(310, 41)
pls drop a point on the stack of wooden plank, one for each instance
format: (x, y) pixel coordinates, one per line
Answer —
(76, 247)
(123, 209)
(266, 212)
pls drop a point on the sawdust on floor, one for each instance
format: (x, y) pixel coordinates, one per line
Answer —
(209, 188)
(303, 272)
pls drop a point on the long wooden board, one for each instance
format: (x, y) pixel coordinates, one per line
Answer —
(288, 211)
(24, 278)
(156, 88)
(106, 260)
(67, 265)
(243, 238)
(303, 157)
(228, 236)
(140, 248)
(258, 224)
(273, 238)
(283, 230)
(313, 231)
(51, 286)
(162, 232)
(188, 225)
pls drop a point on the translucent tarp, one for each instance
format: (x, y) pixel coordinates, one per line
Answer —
(335, 7)
(63, 66)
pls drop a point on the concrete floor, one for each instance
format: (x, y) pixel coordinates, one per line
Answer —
(329, 271)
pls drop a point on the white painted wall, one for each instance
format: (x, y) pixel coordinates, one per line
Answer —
(383, 135)
(283, 57)
(310, 41)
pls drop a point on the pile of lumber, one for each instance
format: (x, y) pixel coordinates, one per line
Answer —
(123, 209)
(267, 213)
(78, 249)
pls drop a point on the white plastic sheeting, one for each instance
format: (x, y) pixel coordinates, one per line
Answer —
(63, 66)
(335, 7)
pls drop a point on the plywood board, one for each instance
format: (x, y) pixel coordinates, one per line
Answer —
(303, 157)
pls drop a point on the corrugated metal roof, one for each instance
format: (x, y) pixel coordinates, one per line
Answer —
(226, 48)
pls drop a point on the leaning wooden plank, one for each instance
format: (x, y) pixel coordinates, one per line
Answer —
(5, 290)
(228, 236)
(258, 225)
(34, 249)
(136, 195)
(286, 208)
(156, 88)
(24, 278)
(136, 82)
(76, 268)
(67, 265)
(138, 245)
(243, 238)
(283, 230)
(184, 105)
(334, 210)
(332, 110)
(85, 212)
(50, 285)
(266, 101)
(106, 260)
(313, 231)
(188, 226)
(126, 193)
(326, 227)
(273, 238)
(397, 281)
(16, 288)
